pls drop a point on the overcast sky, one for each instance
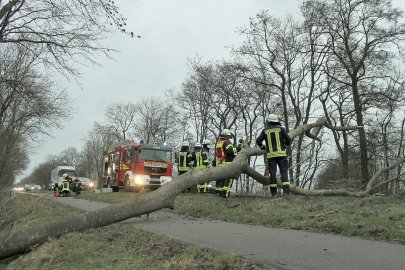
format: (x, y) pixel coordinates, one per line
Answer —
(171, 31)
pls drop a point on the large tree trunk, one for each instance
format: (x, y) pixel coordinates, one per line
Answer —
(23, 239)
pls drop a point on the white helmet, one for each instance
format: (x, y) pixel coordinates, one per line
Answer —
(272, 118)
(185, 143)
(225, 132)
(206, 141)
(64, 175)
(197, 144)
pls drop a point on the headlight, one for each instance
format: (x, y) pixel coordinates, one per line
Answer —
(91, 184)
(139, 179)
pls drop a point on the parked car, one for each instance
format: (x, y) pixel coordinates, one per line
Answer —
(18, 188)
(87, 183)
(32, 187)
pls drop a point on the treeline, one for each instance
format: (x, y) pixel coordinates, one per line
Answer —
(340, 60)
(39, 38)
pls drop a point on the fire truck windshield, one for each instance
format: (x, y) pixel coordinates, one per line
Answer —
(155, 155)
(70, 173)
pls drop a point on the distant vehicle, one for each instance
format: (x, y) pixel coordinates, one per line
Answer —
(86, 182)
(32, 187)
(56, 175)
(18, 188)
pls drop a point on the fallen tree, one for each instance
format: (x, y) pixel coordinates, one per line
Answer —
(23, 239)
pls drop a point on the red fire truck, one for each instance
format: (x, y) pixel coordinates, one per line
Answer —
(136, 166)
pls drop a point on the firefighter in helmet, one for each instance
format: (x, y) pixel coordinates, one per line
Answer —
(277, 140)
(225, 154)
(184, 159)
(196, 157)
(64, 187)
(76, 186)
(206, 163)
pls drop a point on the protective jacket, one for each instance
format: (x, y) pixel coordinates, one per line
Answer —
(76, 185)
(65, 186)
(184, 159)
(276, 138)
(225, 152)
(205, 155)
(197, 159)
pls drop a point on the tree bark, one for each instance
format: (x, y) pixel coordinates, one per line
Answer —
(23, 239)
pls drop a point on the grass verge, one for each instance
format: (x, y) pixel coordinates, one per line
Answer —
(376, 217)
(118, 246)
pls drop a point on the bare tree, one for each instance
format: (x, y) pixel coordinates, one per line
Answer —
(194, 100)
(362, 36)
(28, 106)
(120, 117)
(286, 58)
(60, 30)
(41, 174)
(99, 138)
(156, 120)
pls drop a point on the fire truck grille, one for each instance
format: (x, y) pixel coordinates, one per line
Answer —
(155, 170)
(154, 182)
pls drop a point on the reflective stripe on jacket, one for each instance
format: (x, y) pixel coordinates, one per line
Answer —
(205, 155)
(182, 161)
(225, 152)
(65, 186)
(198, 161)
(277, 139)
(275, 148)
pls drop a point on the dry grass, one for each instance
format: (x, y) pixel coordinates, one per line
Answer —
(118, 246)
(375, 217)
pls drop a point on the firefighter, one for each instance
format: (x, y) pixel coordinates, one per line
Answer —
(184, 159)
(76, 186)
(206, 163)
(64, 187)
(225, 154)
(277, 139)
(196, 158)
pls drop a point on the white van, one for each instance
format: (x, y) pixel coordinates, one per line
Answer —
(56, 174)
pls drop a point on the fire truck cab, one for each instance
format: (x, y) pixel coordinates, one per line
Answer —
(137, 166)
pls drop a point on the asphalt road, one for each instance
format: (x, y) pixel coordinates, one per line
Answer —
(277, 248)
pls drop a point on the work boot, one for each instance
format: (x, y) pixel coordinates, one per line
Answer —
(286, 190)
(273, 191)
